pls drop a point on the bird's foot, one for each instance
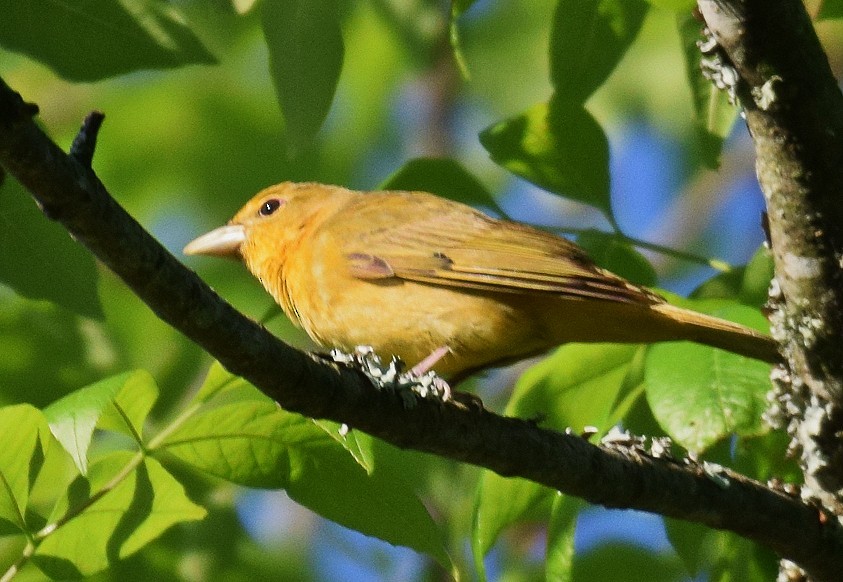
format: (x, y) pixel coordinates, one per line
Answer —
(410, 385)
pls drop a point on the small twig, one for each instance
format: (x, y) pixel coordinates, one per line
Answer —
(82, 148)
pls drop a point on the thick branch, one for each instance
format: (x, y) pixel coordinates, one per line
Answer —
(794, 110)
(69, 192)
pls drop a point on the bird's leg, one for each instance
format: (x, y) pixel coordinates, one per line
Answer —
(428, 383)
(426, 364)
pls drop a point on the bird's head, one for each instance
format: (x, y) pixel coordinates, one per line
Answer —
(269, 221)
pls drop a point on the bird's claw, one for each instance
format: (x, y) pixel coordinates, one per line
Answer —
(408, 384)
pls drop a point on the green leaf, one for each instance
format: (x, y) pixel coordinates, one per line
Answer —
(560, 538)
(246, 438)
(96, 39)
(217, 381)
(618, 256)
(713, 393)
(714, 115)
(757, 276)
(725, 285)
(444, 177)
(36, 333)
(114, 520)
(499, 502)
(748, 284)
(120, 403)
(723, 556)
(38, 253)
(558, 147)
(689, 540)
(764, 457)
(830, 9)
(359, 445)
(674, 5)
(458, 7)
(628, 563)
(305, 57)
(631, 394)
(242, 436)
(588, 39)
(576, 386)
(26, 437)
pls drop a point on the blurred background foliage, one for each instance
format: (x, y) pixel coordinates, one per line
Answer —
(187, 141)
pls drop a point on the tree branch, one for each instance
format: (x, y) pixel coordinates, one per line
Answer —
(628, 477)
(794, 111)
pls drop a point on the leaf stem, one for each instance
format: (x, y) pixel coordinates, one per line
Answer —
(159, 438)
(134, 432)
(717, 264)
(133, 464)
(13, 570)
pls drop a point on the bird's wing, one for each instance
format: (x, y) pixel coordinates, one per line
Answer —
(451, 246)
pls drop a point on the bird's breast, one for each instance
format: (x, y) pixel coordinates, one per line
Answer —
(408, 319)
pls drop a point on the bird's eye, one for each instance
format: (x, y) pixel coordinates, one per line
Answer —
(269, 206)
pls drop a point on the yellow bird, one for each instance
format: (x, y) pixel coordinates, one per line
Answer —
(438, 282)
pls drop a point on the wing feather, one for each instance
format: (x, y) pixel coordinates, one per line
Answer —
(453, 245)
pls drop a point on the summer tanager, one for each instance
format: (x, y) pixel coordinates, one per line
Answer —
(412, 274)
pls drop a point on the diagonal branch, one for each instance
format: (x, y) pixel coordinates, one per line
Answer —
(69, 192)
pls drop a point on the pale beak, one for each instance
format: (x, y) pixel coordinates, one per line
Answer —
(224, 241)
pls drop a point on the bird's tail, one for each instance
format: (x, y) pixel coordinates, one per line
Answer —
(720, 333)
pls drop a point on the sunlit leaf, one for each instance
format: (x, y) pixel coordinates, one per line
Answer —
(242, 436)
(39, 259)
(305, 56)
(713, 393)
(245, 439)
(574, 387)
(243, 6)
(359, 445)
(94, 39)
(558, 147)
(714, 115)
(25, 436)
(217, 381)
(588, 39)
(119, 403)
(111, 520)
